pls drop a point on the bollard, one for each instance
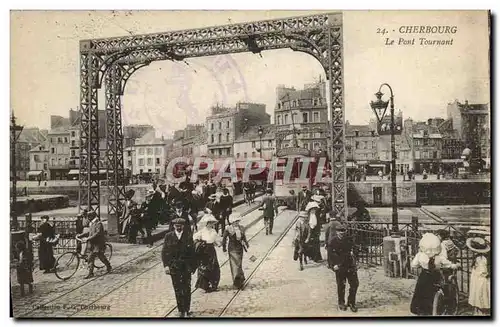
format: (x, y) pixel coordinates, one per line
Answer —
(395, 256)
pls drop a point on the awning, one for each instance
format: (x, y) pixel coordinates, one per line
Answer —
(34, 172)
(451, 160)
(74, 172)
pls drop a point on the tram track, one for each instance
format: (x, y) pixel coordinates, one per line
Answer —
(139, 258)
(268, 252)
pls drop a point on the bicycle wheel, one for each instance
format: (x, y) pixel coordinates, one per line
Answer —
(438, 305)
(67, 265)
(452, 305)
(108, 252)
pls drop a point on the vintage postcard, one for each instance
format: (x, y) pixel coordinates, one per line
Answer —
(195, 164)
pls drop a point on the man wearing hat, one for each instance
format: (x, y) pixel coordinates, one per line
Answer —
(97, 242)
(331, 233)
(148, 216)
(180, 212)
(226, 207)
(126, 210)
(270, 208)
(46, 233)
(179, 262)
(342, 259)
(302, 198)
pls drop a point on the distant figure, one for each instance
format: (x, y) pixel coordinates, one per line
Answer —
(270, 208)
(301, 240)
(235, 242)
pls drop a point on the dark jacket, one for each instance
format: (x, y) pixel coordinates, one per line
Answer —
(269, 205)
(178, 254)
(97, 238)
(331, 232)
(342, 252)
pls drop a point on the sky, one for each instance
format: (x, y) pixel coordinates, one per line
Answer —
(169, 95)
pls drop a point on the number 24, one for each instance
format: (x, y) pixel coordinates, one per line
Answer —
(381, 31)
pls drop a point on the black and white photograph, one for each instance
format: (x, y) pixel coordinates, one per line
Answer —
(250, 164)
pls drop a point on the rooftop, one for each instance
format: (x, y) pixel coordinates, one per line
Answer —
(252, 133)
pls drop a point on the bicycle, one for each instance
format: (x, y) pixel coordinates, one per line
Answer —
(446, 298)
(67, 264)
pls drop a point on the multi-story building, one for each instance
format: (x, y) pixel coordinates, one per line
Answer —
(299, 109)
(59, 153)
(224, 126)
(27, 139)
(252, 145)
(39, 163)
(150, 155)
(131, 133)
(186, 140)
(427, 143)
(472, 123)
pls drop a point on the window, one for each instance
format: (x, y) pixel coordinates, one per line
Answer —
(315, 102)
(237, 155)
(129, 153)
(278, 119)
(220, 152)
(253, 144)
(227, 124)
(285, 121)
(212, 126)
(73, 133)
(244, 155)
(306, 145)
(220, 125)
(66, 161)
(270, 144)
(253, 154)
(52, 150)
(227, 137)
(426, 141)
(150, 151)
(356, 133)
(220, 138)
(212, 138)
(65, 140)
(44, 166)
(72, 153)
(141, 151)
(279, 105)
(157, 161)
(316, 146)
(316, 117)
(36, 158)
(157, 170)
(304, 117)
(357, 145)
(51, 140)
(157, 151)
(73, 143)
(294, 103)
(53, 162)
(150, 161)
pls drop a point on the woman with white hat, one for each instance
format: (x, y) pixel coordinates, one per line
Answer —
(205, 241)
(234, 236)
(314, 209)
(479, 284)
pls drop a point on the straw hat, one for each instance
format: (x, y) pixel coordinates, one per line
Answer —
(208, 218)
(478, 244)
(233, 218)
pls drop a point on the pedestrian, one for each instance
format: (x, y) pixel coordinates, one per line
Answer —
(430, 260)
(81, 230)
(480, 280)
(234, 242)
(127, 207)
(149, 214)
(269, 206)
(24, 267)
(330, 234)
(205, 241)
(226, 205)
(342, 256)
(302, 198)
(314, 211)
(47, 237)
(97, 244)
(180, 212)
(179, 262)
(301, 240)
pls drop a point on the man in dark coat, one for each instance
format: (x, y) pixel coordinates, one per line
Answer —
(97, 243)
(342, 257)
(301, 199)
(270, 208)
(226, 207)
(331, 233)
(180, 212)
(179, 262)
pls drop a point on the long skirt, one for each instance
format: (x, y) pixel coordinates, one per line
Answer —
(421, 303)
(313, 250)
(235, 261)
(208, 269)
(479, 290)
(46, 256)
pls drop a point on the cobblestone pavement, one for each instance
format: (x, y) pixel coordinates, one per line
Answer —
(279, 289)
(129, 261)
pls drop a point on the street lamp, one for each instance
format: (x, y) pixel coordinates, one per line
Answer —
(379, 107)
(260, 132)
(15, 133)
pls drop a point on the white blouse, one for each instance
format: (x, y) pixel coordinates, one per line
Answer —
(422, 260)
(208, 235)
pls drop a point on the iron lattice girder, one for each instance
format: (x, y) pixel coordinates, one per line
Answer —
(317, 35)
(214, 34)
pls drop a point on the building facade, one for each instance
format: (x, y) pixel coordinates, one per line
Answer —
(252, 145)
(300, 109)
(148, 155)
(59, 153)
(39, 163)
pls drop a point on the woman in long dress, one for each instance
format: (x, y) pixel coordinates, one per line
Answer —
(205, 241)
(47, 237)
(234, 236)
(480, 285)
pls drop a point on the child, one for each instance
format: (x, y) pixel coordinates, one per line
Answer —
(431, 261)
(24, 267)
(479, 287)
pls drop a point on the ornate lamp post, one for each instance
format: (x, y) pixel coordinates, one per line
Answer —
(15, 131)
(379, 107)
(260, 132)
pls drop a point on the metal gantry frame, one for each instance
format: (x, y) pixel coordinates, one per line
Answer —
(114, 60)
